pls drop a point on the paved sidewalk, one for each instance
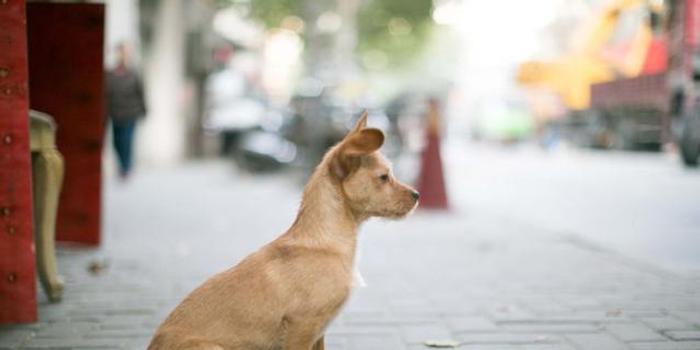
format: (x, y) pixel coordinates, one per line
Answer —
(475, 277)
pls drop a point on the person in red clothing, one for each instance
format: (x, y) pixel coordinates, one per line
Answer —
(431, 181)
(125, 106)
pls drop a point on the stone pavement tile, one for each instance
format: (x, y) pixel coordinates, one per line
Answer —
(353, 317)
(349, 330)
(119, 333)
(543, 327)
(411, 304)
(85, 318)
(454, 305)
(417, 334)
(12, 337)
(667, 345)
(427, 315)
(507, 338)
(92, 348)
(457, 308)
(72, 343)
(405, 319)
(506, 312)
(646, 306)
(66, 330)
(127, 322)
(658, 312)
(629, 332)
(473, 347)
(138, 343)
(375, 342)
(692, 317)
(487, 347)
(575, 317)
(53, 312)
(547, 308)
(665, 323)
(595, 341)
(470, 324)
(561, 346)
(579, 302)
(111, 311)
(684, 335)
(362, 316)
(335, 343)
(12, 327)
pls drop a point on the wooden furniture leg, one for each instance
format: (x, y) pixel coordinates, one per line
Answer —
(47, 176)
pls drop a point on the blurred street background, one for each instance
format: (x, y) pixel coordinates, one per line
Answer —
(579, 115)
(568, 136)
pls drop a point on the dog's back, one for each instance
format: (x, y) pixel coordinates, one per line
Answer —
(225, 312)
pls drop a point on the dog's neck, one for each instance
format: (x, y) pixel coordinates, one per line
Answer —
(325, 220)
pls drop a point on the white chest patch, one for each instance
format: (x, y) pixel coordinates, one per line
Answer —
(357, 280)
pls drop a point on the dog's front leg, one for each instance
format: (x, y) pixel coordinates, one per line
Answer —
(320, 345)
(301, 337)
(300, 342)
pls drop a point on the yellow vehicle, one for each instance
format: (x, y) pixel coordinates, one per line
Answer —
(615, 44)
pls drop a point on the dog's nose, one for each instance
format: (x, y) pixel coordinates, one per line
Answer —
(415, 195)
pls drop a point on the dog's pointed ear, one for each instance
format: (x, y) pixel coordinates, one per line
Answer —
(362, 142)
(356, 144)
(361, 123)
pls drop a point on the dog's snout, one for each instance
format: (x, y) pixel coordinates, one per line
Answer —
(415, 195)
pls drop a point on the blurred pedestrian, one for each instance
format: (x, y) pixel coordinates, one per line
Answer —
(431, 181)
(125, 106)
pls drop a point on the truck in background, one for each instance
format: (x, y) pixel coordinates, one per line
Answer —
(635, 83)
(661, 105)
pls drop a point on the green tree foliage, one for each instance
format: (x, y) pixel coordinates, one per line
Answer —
(397, 28)
(392, 30)
(272, 12)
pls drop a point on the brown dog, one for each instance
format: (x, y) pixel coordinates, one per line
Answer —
(284, 295)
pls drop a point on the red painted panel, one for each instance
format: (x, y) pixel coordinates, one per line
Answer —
(692, 22)
(648, 91)
(657, 57)
(17, 276)
(66, 81)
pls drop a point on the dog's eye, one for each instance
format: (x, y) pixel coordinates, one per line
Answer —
(384, 177)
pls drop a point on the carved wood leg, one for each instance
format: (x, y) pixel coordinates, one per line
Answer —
(47, 173)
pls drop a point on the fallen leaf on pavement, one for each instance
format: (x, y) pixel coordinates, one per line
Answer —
(441, 343)
(541, 338)
(614, 313)
(97, 266)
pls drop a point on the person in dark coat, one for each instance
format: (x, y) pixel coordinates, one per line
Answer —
(125, 106)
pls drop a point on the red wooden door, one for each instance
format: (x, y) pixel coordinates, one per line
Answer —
(66, 81)
(17, 277)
